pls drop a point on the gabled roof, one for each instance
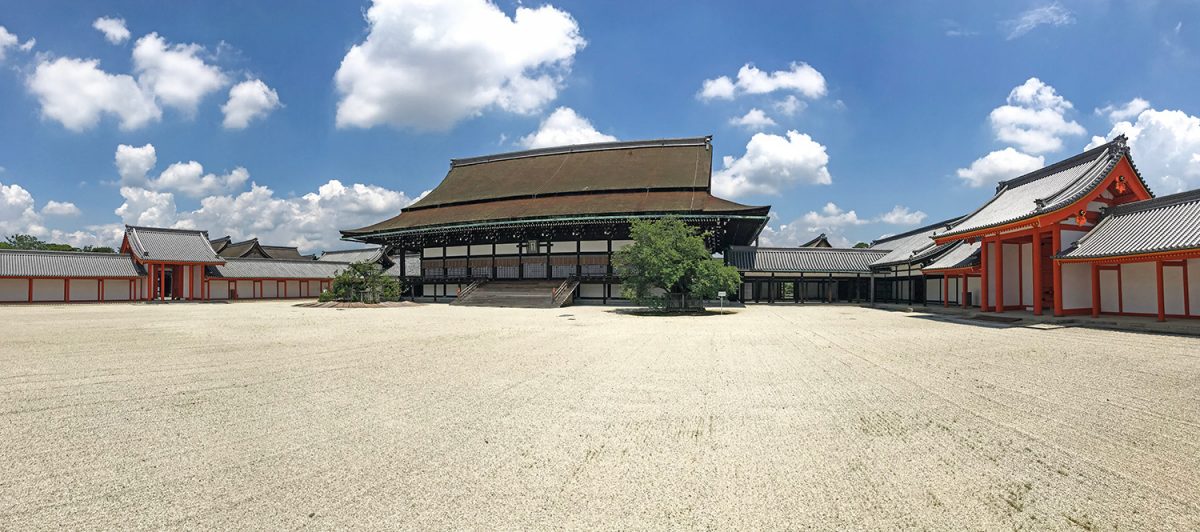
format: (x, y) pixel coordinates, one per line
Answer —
(245, 248)
(29, 263)
(820, 242)
(220, 243)
(911, 246)
(1168, 223)
(960, 255)
(277, 269)
(170, 245)
(285, 253)
(1045, 190)
(802, 260)
(355, 255)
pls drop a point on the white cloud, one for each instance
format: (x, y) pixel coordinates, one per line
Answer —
(147, 207)
(1053, 14)
(790, 106)
(755, 119)
(1129, 110)
(7, 40)
(1034, 119)
(75, 92)
(60, 208)
(113, 29)
(562, 128)
(900, 215)
(134, 163)
(428, 65)
(248, 100)
(831, 218)
(772, 163)
(174, 73)
(17, 212)
(800, 78)
(999, 165)
(1166, 146)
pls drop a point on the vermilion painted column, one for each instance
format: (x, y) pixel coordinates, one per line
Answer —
(945, 290)
(162, 283)
(1162, 304)
(100, 288)
(149, 282)
(66, 290)
(983, 275)
(1095, 290)
(999, 275)
(965, 290)
(1056, 244)
(1037, 271)
(31, 289)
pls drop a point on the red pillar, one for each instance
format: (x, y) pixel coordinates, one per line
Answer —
(999, 275)
(66, 290)
(1095, 290)
(1187, 298)
(965, 283)
(31, 289)
(945, 290)
(1162, 304)
(1037, 271)
(149, 282)
(1056, 245)
(983, 275)
(162, 283)
(100, 288)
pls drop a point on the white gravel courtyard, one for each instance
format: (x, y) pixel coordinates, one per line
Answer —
(265, 415)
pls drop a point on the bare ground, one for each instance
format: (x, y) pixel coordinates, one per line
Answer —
(266, 415)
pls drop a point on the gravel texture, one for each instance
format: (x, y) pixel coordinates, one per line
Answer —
(266, 415)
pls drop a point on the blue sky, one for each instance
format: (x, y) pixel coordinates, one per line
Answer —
(857, 119)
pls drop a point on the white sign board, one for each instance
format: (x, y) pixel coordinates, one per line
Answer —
(721, 293)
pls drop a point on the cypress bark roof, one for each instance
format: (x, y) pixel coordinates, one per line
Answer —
(1168, 223)
(669, 176)
(1045, 190)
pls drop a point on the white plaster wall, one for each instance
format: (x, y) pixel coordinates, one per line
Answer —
(269, 289)
(1027, 274)
(140, 289)
(293, 289)
(428, 289)
(973, 286)
(117, 290)
(432, 252)
(245, 289)
(1108, 291)
(313, 289)
(591, 290)
(1139, 287)
(218, 290)
(47, 290)
(85, 290)
(456, 251)
(593, 246)
(955, 293)
(1172, 290)
(1012, 274)
(618, 244)
(478, 250)
(563, 247)
(1077, 285)
(933, 289)
(1194, 285)
(14, 289)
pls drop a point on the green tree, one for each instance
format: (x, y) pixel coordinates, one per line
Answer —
(363, 282)
(668, 257)
(861, 245)
(19, 241)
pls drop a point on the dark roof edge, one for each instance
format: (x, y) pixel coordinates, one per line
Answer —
(918, 230)
(1118, 142)
(592, 192)
(1156, 203)
(578, 148)
(809, 250)
(167, 230)
(296, 261)
(357, 250)
(57, 252)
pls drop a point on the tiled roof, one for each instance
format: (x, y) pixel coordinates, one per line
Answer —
(171, 245)
(277, 269)
(248, 248)
(1045, 190)
(806, 260)
(219, 244)
(961, 255)
(353, 255)
(911, 246)
(1169, 223)
(24, 263)
(285, 253)
(820, 242)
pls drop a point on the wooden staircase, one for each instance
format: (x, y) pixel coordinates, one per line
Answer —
(518, 294)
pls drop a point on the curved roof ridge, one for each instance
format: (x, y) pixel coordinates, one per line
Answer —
(579, 148)
(912, 232)
(1155, 203)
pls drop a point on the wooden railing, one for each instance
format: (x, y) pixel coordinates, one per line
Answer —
(565, 289)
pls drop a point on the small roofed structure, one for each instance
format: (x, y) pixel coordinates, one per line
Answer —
(256, 278)
(247, 248)
(45, 276)
(1039, 215)
(1144, 258)
(898, 272)
(958, 270)
(286, 253)
(174, 260)
(821, 241)
(803, 274)
(376, 255)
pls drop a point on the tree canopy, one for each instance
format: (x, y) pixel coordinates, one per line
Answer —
(669, 257)
(363, 282)
(19, 241)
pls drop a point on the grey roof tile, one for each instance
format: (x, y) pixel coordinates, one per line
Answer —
(353, 255)
(911, 246)
(24, 263)
(1169, 223)
(960, 255)
(276, 269)
(806, 260)
(171, 245)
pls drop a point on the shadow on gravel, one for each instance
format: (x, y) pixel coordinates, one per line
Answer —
(989, 323)
(665, 314)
